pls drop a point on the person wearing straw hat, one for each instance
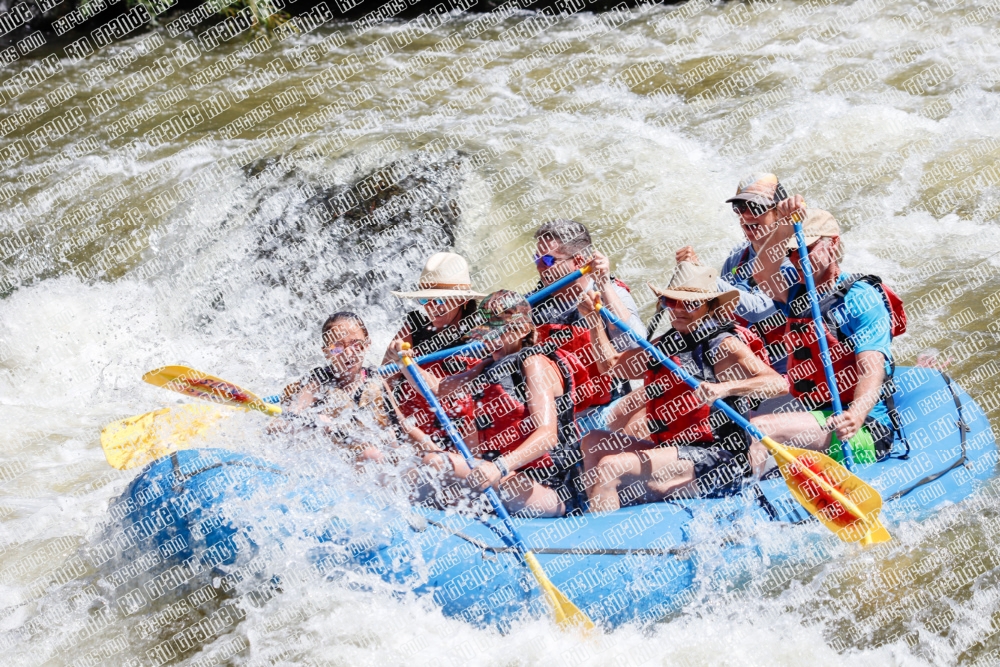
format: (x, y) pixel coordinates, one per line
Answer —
(688, 447)
(448, 305)
(858, 324)
(755, 202)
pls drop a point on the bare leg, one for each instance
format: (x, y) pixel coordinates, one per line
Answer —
(657, 472)
(597, 445)
(629, 415)
(526, 497)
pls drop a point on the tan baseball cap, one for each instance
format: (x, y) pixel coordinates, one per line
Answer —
(818, 223)
(445, 275)
(692, 282)
(763, 189)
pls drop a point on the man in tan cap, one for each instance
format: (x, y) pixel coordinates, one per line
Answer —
(857, 324)
(448, 301)
(687, 447)
(755, 202)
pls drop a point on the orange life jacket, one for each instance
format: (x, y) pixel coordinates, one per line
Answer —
(576, 340)
(458, 406)
(573, 336)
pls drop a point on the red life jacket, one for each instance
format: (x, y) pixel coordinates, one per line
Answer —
(805, 365)
(458, 406)
(574, 337)
(771, 330)
(673, 414)
(501, 405)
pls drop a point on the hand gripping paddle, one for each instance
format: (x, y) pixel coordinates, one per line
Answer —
(840, 500)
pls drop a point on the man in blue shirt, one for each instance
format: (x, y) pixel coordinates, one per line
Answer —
(755, 202)
(857, 325)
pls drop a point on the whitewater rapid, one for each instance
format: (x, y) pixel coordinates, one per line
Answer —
(883, 112)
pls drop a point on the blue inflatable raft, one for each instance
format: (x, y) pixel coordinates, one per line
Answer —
(208, 512)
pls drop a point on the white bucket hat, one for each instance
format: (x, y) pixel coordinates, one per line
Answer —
(444, 276)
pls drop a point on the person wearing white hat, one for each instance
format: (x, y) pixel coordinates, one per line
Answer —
(755, 202)
(859, 319)
(448, 306)
(688, 447)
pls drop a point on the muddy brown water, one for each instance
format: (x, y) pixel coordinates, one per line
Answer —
(132, 237)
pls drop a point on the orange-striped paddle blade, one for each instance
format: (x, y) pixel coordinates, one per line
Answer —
(191, 382)
(842, 502)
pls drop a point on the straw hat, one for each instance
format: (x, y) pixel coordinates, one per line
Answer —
(445, 275)
(818, 223)
(692, 282)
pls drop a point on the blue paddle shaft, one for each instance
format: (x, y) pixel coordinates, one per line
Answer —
(475, 347)
(535, 297)
(456, 438)
(690, 381)
(824, 350)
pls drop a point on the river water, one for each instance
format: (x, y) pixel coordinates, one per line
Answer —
(120, 256)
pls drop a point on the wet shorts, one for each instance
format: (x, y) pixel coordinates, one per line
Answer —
(871, 443)
(717, 471)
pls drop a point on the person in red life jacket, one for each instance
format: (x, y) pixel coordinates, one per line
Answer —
(448, 307)
(346, 399)
(563, 246)
(858, 328)
(689, 448)
(527, 440)
(755, 203)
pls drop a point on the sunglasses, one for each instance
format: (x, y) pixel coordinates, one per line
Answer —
(548, 261)
(757, 210)
(433, 302)
(666, 302)
(340, 348)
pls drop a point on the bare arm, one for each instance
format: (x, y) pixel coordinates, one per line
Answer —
(543, 385)
(741, 373)
(392, 352)
(601, 270)
(422, 441)
(631, 364)
(295, 399)
(767, 265)
(604, 352)
(871, 375)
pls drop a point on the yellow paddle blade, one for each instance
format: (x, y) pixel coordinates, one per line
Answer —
(567, 614)
(194, 383)
(841, 501)
(135, 441)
